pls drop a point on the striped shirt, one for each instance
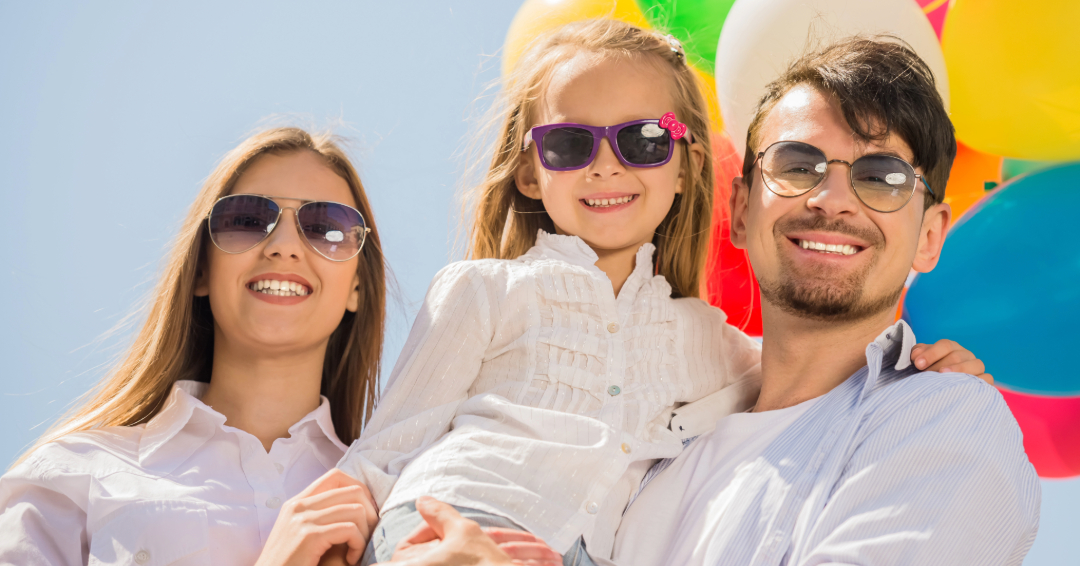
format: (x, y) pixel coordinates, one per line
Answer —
(893, 466)
(529, 390)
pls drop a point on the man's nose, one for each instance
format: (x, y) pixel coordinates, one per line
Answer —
(834, 196)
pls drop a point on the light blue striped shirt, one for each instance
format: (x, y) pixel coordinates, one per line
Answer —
(894, 466)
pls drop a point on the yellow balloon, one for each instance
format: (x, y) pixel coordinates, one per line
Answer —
(708, 83)
(1014, 73)
(538, 16)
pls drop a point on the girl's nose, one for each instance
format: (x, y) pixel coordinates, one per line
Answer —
(285, 240)
(606, 164)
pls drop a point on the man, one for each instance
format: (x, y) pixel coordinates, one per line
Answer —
(850, 454)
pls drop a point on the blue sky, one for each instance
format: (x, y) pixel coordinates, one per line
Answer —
(113, 113)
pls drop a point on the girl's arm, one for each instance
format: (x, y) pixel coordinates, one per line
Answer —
(41, 523)
(437, 367)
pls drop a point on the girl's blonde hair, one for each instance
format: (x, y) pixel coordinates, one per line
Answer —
(505, 222)
(177, 339)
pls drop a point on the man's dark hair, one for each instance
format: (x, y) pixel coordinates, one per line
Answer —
(882, 88)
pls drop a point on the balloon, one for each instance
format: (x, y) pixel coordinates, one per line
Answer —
(967, 180)
(1007, 284)
(729, 281)
(1015, 167)
(1013, 70)
(696, 22)
(1051, 427)
(935, 11)
(761, 37)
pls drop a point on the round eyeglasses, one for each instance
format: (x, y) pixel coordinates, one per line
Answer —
(882, 182)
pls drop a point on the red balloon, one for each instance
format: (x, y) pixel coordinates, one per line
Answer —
(729, 280)
(1051, 427)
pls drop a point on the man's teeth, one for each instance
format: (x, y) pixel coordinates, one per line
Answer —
(279, 288)
(601, 202)
(842, 249)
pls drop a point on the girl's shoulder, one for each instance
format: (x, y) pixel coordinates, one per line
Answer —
(696, 310)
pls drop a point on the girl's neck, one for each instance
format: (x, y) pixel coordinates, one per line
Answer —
(264, 394)
(617, 264)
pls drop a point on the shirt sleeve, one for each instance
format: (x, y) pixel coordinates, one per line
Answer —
(717, 353)
(943, 480)
(40, 522)
(437, 367)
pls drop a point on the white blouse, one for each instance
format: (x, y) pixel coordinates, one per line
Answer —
(183, 489)
(529, 390)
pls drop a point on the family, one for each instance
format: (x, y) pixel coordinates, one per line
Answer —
(564, 396)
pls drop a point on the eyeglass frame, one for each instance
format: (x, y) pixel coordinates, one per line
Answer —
(599, 133)
(851, 182)
(296, 216)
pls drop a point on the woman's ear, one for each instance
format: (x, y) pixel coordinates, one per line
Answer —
(525, 176)
(353, 304)
(202, 280)
(697, 161)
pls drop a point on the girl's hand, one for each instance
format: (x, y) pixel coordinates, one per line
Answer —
(948, 356)
(446, 538)
(335, 509)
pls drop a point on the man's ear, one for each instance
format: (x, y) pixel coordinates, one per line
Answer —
(353, 304)
(740, 205)
(932, 237)
(697, 161)
(525, 176)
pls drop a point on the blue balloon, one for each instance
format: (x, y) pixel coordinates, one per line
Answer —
(1008, 284)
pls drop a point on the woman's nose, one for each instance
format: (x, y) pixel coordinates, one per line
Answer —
(284, 240)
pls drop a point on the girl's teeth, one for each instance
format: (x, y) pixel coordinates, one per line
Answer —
(842, 249)
(601, 202)
(279, 288)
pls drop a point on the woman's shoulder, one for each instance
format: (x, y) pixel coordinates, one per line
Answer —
(92, 453)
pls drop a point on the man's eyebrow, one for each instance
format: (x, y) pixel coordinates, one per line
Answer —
(887, 153)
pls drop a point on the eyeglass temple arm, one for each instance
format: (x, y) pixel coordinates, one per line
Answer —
(923, 179)
(528, 140)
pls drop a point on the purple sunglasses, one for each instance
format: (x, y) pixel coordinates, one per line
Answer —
(640, 143)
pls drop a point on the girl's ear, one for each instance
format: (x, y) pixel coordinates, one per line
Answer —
(354, 296)
(525, 176)
(697, 161)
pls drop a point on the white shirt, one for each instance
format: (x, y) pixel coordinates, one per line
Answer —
(183, 489)
(892, 467)
(712, 463)
(528, 390)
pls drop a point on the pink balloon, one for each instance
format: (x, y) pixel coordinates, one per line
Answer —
(935, 11)
(1051, 427)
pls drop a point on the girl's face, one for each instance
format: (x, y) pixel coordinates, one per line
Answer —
(604, 93)
(250, 319)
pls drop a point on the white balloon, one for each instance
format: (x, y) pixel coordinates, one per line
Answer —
(761, 37)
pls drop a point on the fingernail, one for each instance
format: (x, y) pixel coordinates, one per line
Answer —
(920, 363)
(946, 370)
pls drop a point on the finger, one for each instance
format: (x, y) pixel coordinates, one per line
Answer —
(501, 535)
(333, 497)
(336, 556)
(931, 354)
(986, 377)
(442, 517)
(421, 534)
(953, 360)
(347, 513)
(415, 550)
(972, 367)
(343, 533)
(332, 479)
(529, 551)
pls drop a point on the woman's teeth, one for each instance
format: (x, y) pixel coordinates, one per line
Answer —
(842, 249)
(279, 288)
(602, 202)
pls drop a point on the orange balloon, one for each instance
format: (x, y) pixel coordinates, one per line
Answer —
(967, 179)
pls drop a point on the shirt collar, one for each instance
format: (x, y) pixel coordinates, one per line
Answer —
(185, 412)
(575, 251)
(895, 345)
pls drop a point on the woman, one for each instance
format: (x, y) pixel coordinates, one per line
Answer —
(214, 440)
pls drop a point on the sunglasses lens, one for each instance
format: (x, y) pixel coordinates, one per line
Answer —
(884, 183)
(567, 148)
(792, 168)
(644, 144)
(334, 230)
(239, 222)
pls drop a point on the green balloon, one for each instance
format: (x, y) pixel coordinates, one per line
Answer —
(696, 23)
(1015, 167)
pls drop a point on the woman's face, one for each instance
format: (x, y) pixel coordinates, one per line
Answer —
(286, 321)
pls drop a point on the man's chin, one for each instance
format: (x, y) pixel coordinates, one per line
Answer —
(829, 303)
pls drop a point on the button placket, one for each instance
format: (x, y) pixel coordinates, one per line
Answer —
(142, 557)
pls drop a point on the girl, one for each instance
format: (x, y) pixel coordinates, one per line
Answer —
(258, 359)
(537, 384)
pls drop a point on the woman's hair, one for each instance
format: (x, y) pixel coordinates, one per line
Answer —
(504, 222)
(177, 339)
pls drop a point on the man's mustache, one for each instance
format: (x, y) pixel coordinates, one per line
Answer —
(872, 236)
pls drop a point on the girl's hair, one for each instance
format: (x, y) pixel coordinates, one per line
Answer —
(504, 222)
(177, 339)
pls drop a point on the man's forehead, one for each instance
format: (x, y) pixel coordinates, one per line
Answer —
(809, 115)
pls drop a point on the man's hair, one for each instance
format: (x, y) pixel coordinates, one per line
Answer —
(882, 88)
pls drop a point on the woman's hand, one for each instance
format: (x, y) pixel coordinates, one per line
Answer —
(335, 509)
(946, 356)
(447, 539)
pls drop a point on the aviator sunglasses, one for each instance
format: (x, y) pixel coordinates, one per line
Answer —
(882, 182)
(640, 143)
(240, 222)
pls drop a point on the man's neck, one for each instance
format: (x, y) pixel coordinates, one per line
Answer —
(802, 359)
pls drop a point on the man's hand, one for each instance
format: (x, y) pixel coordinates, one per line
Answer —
(948, 356)
(448, 539)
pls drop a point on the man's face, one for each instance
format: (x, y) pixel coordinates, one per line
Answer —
(775, 231)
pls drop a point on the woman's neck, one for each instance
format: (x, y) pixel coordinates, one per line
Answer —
(264, 394)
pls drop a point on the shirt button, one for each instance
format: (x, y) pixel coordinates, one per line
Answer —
(613, 328)
(280, 469)
(273, 503)
(592, 507)
(625, 448)
(614, 390)
(142, 557)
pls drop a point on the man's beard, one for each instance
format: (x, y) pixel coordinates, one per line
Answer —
(826, 293)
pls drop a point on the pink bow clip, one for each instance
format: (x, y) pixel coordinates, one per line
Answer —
(669, 123)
